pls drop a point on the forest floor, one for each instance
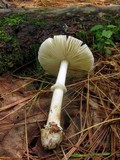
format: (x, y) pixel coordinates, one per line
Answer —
(91, 107)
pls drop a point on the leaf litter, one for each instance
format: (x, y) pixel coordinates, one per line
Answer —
(90, 115)
(58, 3)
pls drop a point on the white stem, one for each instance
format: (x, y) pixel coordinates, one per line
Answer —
(52, 134)
(58, 91)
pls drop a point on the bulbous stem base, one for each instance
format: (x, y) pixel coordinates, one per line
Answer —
(51, 136)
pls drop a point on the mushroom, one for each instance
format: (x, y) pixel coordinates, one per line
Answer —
(61, 55)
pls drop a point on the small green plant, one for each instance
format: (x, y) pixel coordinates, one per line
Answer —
(104, 37)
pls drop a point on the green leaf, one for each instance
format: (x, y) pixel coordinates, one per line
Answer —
(110, 42)
(96, 28)
(107, 33)
(107, 42)
(108, 51)
(76, 155)
(98, 36)
(100, 46)
(111, 26)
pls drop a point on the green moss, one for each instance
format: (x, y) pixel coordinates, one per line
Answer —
(38, 22)
(11, 20)
(14, 19)
(15, 56)
(4, 37)
(10, 57)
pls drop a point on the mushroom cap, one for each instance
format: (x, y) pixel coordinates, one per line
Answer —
(53, 50)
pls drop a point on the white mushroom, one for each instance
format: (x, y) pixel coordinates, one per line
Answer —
(57, 56)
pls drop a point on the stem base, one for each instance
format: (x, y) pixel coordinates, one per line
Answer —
(51, 136)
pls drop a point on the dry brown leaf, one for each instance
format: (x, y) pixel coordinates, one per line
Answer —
(12, 116)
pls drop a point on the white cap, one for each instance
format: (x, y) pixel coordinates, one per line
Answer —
(53, 50)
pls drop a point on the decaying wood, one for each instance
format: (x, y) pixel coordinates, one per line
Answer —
(67, 11)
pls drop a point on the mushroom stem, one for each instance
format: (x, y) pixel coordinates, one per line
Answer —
(58, 90)
(52, 134)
